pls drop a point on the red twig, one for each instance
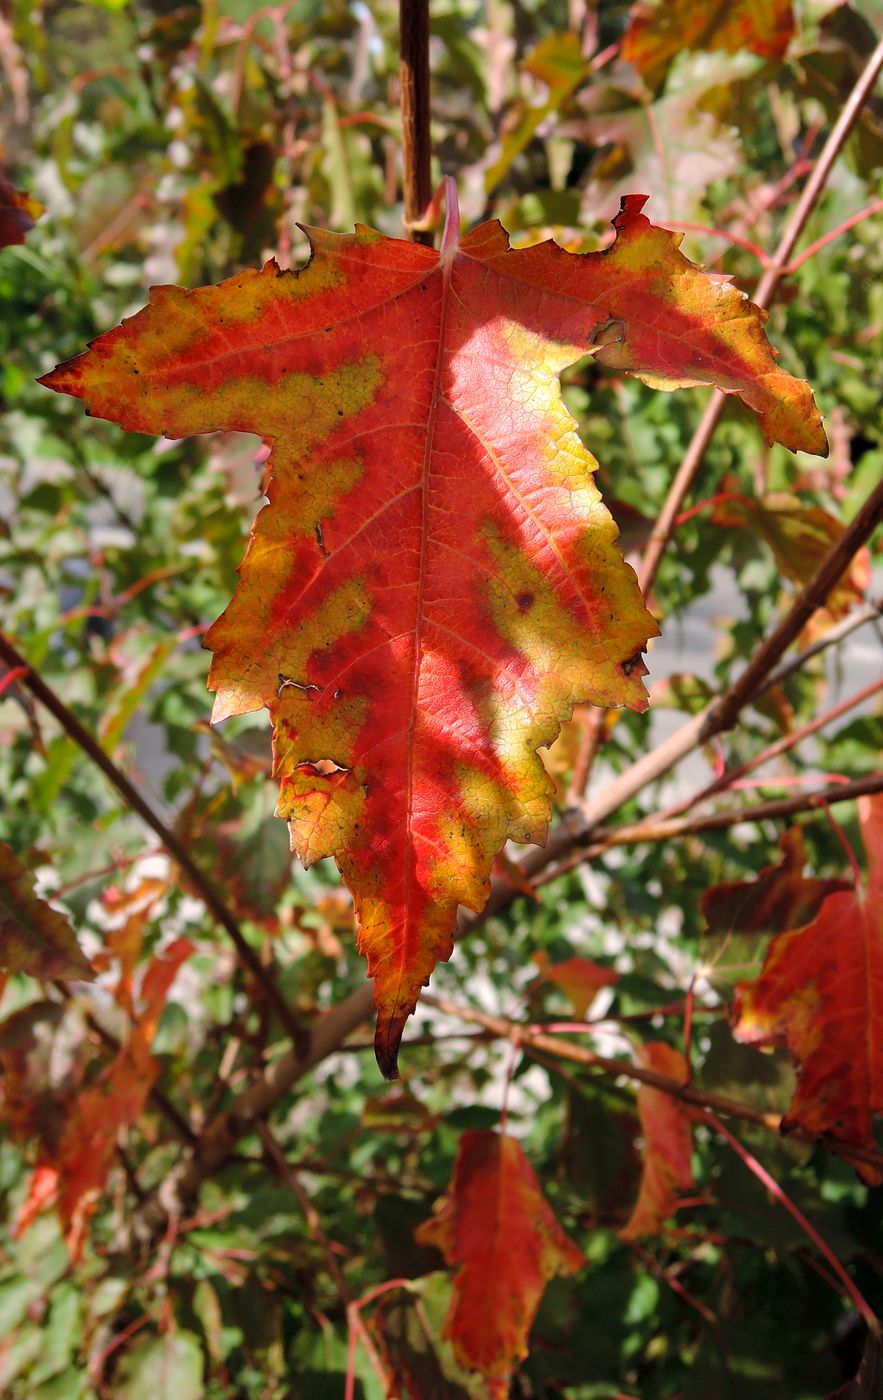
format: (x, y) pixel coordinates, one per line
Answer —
(16, 673)
(718, 500)
(358, 1333)
(847, 848)
(775, 1190)
(730, 776)
(827, 238)
(735, 238)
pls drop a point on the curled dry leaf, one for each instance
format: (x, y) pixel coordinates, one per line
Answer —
(34, 937)
(435, 582)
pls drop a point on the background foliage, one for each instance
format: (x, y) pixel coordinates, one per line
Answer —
(177, 143)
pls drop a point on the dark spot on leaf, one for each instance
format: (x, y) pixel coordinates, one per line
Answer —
(525, 602)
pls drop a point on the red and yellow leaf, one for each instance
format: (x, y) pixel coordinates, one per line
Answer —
(435, 581)
(820, 995)
(668, 1144)
(34, 937)
(497, 1228)
(661, 29)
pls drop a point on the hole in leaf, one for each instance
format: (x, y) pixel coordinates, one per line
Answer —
(609, 332)
(306, 686)
(323, 767)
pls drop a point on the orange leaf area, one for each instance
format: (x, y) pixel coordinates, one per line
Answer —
(668, 1144)
(498, 1229)
(781, 897)
(661, 29)
(820, 995)
(78, 1144)
(18, 214)
(435, 582)
(579, 979)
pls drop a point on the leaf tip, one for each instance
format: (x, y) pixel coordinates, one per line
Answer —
(387, 1039)
(630, 207)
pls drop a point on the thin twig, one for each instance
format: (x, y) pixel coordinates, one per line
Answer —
(200, 881)
(663, 828)
(826, 238)
(788, 741)
(311, 1215)
(764, 1177)
(687, 1093)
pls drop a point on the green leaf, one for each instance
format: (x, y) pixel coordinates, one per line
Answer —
(169, 1367)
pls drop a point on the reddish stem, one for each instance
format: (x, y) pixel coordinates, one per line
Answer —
(357, 1328)
(16, 673)
(775, 1190)
(717, 500)
(849, 852)
(735, 238)
(827, 238)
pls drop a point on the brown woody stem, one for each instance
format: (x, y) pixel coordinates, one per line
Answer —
(660, 827)
(199, 880)
(788, 741)
(416, 143)
(687, 1093)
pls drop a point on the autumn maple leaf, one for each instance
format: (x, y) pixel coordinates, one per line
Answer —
(668, 1144)
(659, 30)
(497, 1227)
(820, 994)
(435, 581)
